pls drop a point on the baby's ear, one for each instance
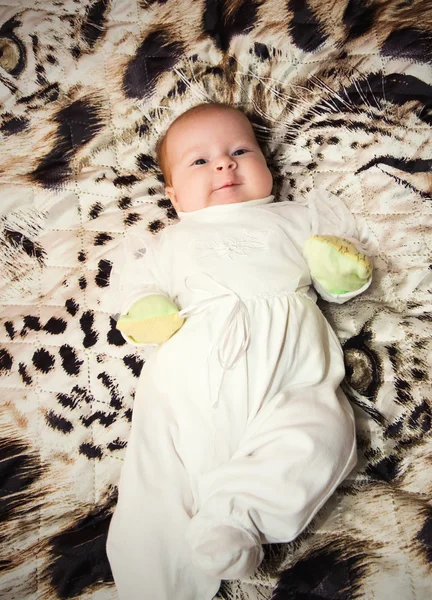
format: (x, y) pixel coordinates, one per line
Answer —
(169, 191)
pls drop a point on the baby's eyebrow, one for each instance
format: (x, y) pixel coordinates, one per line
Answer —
(190, 152)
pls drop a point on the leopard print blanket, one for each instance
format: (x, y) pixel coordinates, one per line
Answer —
(340, 95)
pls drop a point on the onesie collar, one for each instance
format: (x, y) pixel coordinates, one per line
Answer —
(224, 208)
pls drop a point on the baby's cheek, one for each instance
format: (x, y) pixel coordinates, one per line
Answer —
(265, 180)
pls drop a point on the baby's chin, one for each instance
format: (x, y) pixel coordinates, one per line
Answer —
(230, 195)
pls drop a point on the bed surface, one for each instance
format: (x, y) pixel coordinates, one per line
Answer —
(340, 94)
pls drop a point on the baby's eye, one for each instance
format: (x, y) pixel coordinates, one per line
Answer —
(239, 152)
(199, 161)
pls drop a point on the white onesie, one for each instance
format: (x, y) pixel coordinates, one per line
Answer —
(240, 431)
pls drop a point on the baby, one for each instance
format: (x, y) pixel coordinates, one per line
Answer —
(240, 432)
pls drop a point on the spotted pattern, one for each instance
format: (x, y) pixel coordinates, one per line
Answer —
(340, 97)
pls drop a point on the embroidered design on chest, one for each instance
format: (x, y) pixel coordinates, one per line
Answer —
(231, 247)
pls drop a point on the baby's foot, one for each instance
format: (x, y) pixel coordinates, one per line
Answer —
(224, 550)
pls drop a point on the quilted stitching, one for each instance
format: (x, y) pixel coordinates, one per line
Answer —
(340, 96)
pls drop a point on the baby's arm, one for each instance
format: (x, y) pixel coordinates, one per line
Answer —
(148, 315)
(332, 245)
(152, 319)
(339, 271)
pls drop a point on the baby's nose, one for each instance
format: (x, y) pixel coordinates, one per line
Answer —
(225, 162)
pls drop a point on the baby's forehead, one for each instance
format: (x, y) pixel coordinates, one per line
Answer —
(211, 118)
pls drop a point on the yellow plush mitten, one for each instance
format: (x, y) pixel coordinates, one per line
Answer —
(336, 264)
(150, 320)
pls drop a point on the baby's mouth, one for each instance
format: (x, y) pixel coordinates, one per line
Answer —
(227, 185)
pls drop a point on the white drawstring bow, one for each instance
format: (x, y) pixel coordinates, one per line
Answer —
(234, 338)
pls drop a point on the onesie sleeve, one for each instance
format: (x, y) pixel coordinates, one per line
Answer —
(329, 216)
(137, 270)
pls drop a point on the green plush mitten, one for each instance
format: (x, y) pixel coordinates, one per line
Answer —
(150, 320)
(336, 264)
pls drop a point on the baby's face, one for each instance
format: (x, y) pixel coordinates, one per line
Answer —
(214, 158)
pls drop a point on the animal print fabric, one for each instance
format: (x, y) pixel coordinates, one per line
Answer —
(340, 94)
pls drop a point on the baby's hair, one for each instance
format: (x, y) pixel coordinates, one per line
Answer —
(161, 143)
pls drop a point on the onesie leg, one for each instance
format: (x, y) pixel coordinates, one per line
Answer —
(226, 550)
(146, 546)
(293, 456)
(297, 447)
